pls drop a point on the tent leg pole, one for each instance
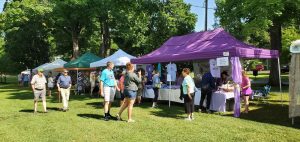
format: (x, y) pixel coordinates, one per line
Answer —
(280, 86)
(169, 91)
(292, 120)
(77, 82)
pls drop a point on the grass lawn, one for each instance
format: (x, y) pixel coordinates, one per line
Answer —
(264, 75)
(265, 122)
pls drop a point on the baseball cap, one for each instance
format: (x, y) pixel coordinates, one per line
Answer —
(40, 69)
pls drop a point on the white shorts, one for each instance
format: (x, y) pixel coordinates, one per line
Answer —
(109, 94)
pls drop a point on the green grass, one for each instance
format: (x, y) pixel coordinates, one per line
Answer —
(264, 75)
(265, 122)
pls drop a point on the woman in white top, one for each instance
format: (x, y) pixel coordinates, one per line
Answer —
(92, 81)
(50, 83)
(188, 87)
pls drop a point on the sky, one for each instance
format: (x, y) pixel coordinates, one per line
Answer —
(197, 8)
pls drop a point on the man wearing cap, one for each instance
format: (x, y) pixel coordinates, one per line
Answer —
(108, 86)
(64, 84)
(38, 85)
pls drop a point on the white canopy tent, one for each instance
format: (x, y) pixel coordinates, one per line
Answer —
(25, 72)
(59, 63)
(41, 66)
(119, 58)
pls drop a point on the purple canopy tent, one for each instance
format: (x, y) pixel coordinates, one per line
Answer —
(205, 45)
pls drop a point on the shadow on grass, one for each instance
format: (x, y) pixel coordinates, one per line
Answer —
(20, 95)
(54, 108)
(93, 116)
(175, 111)
(27, 110)
(48, 108)
(275, 114)
(96, 104)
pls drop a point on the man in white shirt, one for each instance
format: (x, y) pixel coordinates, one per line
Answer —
(38, 85)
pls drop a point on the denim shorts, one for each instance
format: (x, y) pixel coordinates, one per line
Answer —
(130, 94)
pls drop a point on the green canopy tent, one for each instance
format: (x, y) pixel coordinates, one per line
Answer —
(82, 63)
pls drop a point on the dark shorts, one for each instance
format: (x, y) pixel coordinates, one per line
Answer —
(122, 96)
(130, 94)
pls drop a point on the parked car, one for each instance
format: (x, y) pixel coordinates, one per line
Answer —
(285, 69)
(259, 67)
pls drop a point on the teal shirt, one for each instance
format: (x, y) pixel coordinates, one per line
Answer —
(108, 78)
(188, 82)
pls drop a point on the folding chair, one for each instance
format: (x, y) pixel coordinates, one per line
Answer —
(262, 94)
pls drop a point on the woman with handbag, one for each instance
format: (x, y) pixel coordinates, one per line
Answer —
(156, 86)
(188, 87)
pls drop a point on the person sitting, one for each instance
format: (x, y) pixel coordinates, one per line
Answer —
(223, 80)
(223, 83)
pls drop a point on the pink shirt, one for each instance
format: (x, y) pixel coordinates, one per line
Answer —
(121, 83)
(246, 91)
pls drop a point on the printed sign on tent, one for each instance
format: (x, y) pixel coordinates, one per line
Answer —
(214, 69)
(223, 61)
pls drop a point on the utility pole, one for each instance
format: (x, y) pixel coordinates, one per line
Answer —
(206, 7)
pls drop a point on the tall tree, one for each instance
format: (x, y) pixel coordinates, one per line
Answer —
(26, 33)
(249, 17)
(71, 17)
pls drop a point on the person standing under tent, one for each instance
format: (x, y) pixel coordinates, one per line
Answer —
(25, 80)
(108, 86)
(92, 82)
(188, 87)
(156, 86)
(121, 86)
(55, 82)
(64, 85)
(141, 86)
(208, 84)
(38, 85)
(131, 83)
(246, 90)
(50, 83)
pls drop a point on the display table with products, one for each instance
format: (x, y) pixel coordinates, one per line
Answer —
(219, 99)
(174, 94)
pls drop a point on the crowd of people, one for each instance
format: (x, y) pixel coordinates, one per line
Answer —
(130, 83)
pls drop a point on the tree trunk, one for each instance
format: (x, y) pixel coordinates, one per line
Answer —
(105, 37)
(75, 44)
(275, 40)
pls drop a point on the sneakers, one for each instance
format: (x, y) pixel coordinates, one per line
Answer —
(111, 117)
(119, 117)
(106, 118)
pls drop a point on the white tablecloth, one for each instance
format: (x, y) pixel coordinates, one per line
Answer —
(174, 95)
(218, 100)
